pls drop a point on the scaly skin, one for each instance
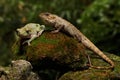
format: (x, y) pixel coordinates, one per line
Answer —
(61, 24)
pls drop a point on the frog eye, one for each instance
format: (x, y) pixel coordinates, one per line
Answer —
(28, 31)
(37, 25)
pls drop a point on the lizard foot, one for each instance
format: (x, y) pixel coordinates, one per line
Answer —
(55, 31)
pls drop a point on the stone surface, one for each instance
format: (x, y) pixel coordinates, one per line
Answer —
(58, 48)
(19, 70)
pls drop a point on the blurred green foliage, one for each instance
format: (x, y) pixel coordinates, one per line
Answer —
(23, 11)
(101, 23)
(97, 19)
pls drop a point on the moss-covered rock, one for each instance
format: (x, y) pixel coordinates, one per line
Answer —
(18, 70)
(95, 74)
(51, 51)
(57, 48)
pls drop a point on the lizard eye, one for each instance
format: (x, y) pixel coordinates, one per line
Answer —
(47, 14)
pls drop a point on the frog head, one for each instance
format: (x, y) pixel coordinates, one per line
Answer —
(22, 32)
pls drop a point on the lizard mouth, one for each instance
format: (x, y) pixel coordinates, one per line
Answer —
(44, 16)
(44, 20)
(47, 18)
(41, 15)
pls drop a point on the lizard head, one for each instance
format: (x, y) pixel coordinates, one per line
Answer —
(47, 18)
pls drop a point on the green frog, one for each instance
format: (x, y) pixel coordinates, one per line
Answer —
(30, 31)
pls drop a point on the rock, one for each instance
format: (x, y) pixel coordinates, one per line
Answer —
(56, 48)
(52, 54)
(33, 76)
(51, 51)
(95, 74)
(19, 70)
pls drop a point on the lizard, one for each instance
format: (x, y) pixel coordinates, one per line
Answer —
(31, 31)
(61, 24)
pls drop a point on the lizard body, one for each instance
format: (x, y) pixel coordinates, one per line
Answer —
(61, 24)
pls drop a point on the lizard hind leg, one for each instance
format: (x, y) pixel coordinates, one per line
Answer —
(96, 67)
(89, 64)
(77, 37)
(89, 61)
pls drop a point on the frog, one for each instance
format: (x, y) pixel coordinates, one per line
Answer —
(30, 32)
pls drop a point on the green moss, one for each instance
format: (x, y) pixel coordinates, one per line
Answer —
(95, 74)
(42, 39)
(16, 47)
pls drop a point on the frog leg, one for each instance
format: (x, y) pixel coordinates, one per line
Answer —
(31, 39)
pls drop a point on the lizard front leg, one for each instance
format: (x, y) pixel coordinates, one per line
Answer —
(58, 28)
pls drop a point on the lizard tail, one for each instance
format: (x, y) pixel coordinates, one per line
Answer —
(106, 59)
(92, 47)
(99, 67)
